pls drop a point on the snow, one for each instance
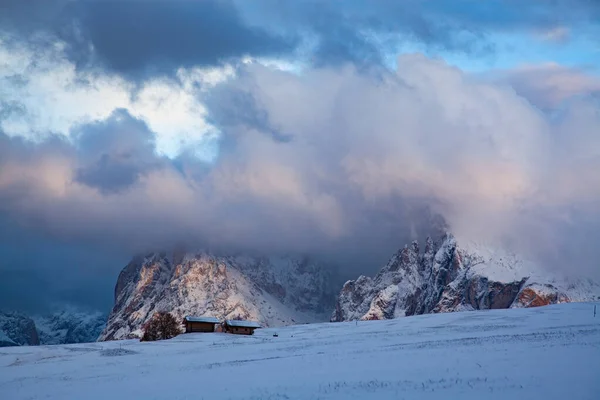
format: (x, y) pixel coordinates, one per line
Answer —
(501, 265)
(498, 264)
(545, 353)
(210, 320)
(242, 324)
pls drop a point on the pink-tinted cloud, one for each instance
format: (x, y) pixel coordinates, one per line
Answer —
(549, 85)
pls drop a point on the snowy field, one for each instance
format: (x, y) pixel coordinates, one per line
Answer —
(544, 353)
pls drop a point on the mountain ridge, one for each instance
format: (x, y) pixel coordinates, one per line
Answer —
(446, 277)
(63, 326)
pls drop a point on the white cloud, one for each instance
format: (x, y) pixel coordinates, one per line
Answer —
(49, 97)
(45, 93)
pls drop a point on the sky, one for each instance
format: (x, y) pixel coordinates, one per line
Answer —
(338, 129)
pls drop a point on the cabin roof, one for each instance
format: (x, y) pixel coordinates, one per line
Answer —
(242, 324)
(210, 320)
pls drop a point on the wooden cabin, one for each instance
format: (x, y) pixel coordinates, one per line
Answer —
(240, 327)
(200, 324)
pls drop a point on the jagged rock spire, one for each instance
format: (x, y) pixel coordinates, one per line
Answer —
(445, 278)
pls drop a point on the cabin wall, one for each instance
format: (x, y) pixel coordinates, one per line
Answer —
(199, 327)
(240, 330)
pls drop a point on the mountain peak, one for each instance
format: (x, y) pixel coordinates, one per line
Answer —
(272, 290)
(452, 277)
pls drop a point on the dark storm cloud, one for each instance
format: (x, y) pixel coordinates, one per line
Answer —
(135, 37)
(115, 153)
(109, 174)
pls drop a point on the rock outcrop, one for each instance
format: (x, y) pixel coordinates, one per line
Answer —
(446, 277)
(17, 330)
(273, 291)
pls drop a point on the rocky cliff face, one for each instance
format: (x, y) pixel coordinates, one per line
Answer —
(273, 291)
(17, 330)
(69, 325)
(445, 277)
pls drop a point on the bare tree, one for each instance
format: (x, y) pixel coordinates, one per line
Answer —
(161, 326)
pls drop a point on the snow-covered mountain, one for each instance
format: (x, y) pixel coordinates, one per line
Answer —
(273, 291)
(17, 330)
(448, 277)
(68, 325)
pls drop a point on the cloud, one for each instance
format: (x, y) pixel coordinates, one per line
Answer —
(132, 35)
(143, 39)
(42, 91)
(115, 153)
(559, 34)
(549, 85)
(364, 32)
(369, 162)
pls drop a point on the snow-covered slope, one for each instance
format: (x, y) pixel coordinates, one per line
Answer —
(451, 277)
(544, 353)
(273, 291)
(70, 325)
